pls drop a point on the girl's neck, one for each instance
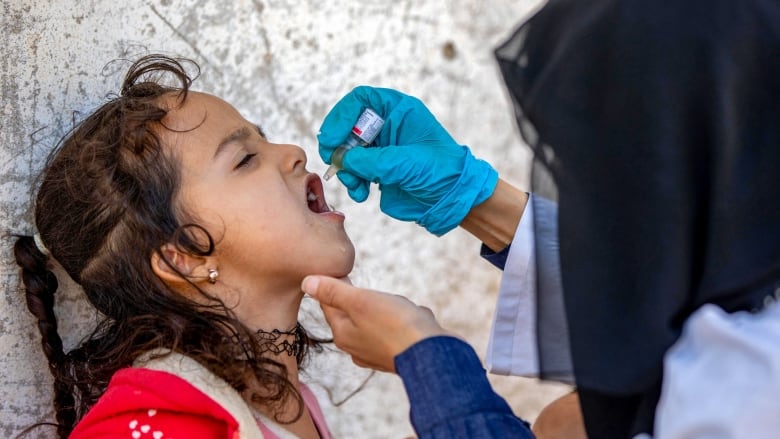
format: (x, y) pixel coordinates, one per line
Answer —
(283, 346)
(268, 309)
(273, 315)
(304, 426)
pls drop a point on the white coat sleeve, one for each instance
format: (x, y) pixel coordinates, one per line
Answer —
(529, 336)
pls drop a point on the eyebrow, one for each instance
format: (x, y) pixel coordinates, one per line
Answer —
(260, 130)
(238, 135)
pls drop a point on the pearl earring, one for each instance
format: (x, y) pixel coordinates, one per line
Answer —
(213, 274)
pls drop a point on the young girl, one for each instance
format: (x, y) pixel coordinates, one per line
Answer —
(190, 233)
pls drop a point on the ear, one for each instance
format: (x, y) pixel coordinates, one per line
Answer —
(170, 259)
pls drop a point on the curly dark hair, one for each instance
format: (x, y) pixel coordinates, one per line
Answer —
(105, 205)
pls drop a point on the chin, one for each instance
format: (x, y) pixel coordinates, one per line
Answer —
(333, 260)
(347, 265)
(331, 271)
(343, 264)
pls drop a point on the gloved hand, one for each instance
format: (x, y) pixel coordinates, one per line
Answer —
(423, 174)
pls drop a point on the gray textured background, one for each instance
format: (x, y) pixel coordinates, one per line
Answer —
(283, 64)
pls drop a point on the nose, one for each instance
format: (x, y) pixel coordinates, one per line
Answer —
(293, 158)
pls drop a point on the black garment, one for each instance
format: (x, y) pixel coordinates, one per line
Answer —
(656, 125)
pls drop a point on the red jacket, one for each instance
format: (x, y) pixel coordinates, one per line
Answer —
(171, 396)
(149, 404)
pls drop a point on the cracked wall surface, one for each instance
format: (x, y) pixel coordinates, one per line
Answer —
(282, 63)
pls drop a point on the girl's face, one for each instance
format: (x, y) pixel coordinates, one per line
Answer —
(266, 212)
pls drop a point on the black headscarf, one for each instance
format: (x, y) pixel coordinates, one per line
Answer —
(656, 126)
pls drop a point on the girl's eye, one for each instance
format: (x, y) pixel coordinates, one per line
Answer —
(245, 161)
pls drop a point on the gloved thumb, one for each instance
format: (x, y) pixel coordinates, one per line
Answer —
(357, 188)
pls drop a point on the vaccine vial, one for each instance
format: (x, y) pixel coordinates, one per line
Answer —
(367, 127)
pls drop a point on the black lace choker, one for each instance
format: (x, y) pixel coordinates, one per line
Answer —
(268, 341)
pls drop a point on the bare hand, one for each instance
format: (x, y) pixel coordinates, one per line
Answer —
(373, 327)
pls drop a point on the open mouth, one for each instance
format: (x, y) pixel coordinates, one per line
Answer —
(315, 196)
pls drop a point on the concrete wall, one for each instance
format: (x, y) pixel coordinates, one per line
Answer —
(282, 63)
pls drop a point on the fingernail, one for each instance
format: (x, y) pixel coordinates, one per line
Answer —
(310, 284)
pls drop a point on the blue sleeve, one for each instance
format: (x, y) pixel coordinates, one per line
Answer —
(496, 258)
(450, 395)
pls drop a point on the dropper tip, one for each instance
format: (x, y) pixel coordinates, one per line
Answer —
(332, 170)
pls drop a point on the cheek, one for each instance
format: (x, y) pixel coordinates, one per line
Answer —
(194, 209)
(252, 208)
(269, 225)
(227, 217)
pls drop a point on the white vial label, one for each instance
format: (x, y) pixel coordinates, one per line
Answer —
(368, 126)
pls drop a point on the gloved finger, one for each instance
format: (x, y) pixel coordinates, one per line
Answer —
(357, 188)
(408, 164)
(385, 165)
(381, 100)
(350, 181)
(342, 117)
(398, 204)
(410, 121)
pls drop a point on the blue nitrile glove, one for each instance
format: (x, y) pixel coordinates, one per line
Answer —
(424, 175)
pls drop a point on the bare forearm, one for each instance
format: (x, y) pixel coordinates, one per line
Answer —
(494, 222)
